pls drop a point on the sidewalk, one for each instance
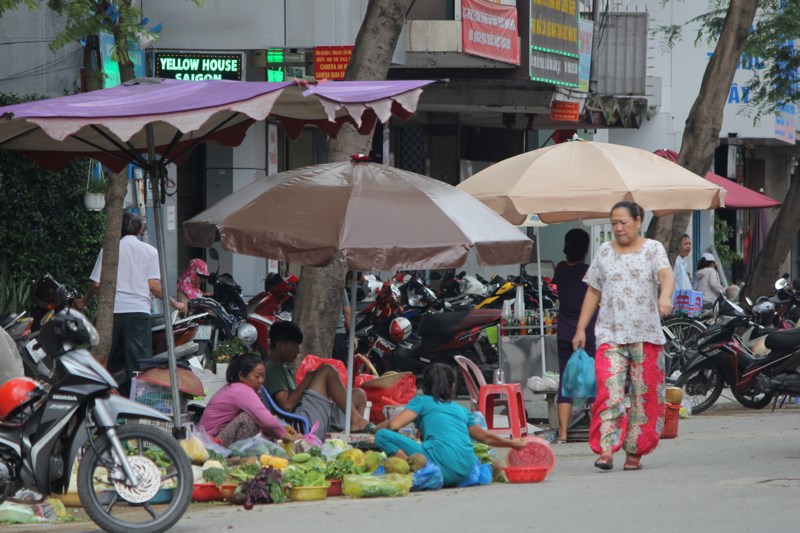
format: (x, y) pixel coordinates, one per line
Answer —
(730, 469)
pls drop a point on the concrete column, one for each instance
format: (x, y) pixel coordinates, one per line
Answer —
(442, 147)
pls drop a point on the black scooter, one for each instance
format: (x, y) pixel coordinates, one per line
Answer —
(724, 359)
(123, 464)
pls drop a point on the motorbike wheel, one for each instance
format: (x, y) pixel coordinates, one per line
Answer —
(685, 332)
(157, 460)
(701, 386)
(753, 400)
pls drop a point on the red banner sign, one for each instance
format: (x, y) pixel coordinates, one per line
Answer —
(330, 62)
(489, 30)
(566, 111)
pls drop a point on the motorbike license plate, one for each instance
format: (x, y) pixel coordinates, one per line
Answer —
(203, 333)
(37, 353)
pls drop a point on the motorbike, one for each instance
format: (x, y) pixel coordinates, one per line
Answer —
(224, 315)
(274, 304)
(507, 291)
(723, 359)
(779, 311)
(395, 339)
(123, 464)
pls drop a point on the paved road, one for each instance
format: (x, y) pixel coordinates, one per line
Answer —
(730, 470)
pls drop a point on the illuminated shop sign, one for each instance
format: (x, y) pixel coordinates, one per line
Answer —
(198, 66)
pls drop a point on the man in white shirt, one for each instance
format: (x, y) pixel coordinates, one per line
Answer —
(138, 275)
(683, 281)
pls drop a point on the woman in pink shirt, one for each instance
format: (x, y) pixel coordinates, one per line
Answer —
(236, 412)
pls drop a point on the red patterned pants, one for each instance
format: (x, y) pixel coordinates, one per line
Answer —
(640, 365)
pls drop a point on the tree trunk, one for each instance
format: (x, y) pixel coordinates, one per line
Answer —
(319, 295)
(779, 241)
(701, 135)
(115, 195)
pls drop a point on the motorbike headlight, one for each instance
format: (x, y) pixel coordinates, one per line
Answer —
(247, 333)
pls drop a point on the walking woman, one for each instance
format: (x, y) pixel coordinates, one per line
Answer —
(568, 278)
(631, 280)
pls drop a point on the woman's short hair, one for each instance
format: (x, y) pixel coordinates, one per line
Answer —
(634, 209)
(576, 244)
(243, 364)
(439, 382)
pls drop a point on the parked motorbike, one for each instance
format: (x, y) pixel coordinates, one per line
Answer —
(224, 315)
(723, 359)
(274, 304)
(43, 432)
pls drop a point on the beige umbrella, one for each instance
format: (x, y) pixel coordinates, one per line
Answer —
(373, 216)
(584, 179)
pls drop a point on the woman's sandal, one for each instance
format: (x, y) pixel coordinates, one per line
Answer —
(633, 463)
(604, 462)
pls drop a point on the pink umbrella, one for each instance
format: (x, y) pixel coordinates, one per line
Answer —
(736, 197)
(153, 122)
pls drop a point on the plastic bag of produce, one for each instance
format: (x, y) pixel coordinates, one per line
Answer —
(369, 486)
(208, 441)
(428, 477)
(256, 447)
(14, 513)
(481, 475)
(194, 449)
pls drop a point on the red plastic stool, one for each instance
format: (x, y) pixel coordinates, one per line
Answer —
(517, 416)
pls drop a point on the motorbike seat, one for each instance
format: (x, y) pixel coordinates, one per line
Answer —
(437, 325)
(783, 340)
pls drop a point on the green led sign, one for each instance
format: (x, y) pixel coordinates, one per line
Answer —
(198, 66)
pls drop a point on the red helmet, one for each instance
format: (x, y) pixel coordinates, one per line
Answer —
(399, 329)
(16, 395)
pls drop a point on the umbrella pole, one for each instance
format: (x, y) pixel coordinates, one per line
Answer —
(541, 304)
(155, 180)
(351, 348)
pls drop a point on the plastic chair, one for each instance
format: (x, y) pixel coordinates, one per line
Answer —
(517, 415)
(473, 377)
(297, 422)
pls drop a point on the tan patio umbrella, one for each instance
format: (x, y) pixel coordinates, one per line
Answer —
(375, 217)
(584, 179)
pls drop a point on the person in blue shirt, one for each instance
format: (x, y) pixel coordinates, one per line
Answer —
(447, 428)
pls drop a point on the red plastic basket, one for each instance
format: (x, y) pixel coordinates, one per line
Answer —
(671, 417)
(526, 474)
(336, 487)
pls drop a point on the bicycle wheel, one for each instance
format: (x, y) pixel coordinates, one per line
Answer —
(681, 334)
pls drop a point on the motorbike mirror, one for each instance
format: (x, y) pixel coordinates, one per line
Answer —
(749, 301)
(173, 317)
(781, 284)
(213, 254)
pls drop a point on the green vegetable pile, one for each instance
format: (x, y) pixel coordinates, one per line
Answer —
(214, 475)
(308, 472)
(244, 472)
(484, 452)
(338, 468)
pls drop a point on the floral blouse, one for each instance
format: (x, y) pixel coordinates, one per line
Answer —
(628, 284)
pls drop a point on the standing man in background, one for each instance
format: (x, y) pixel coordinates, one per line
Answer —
(683, 281)
(138, 275)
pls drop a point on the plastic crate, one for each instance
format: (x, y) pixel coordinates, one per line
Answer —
(671, 417)
(155, 396)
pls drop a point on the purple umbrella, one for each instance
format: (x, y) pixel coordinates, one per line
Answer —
(153, 122)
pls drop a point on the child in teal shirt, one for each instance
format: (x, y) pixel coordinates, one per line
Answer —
(447, 428)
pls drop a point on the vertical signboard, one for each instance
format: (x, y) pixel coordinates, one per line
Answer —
(330, 62)
(489, 30)
(554, 56)
(585, 51)
(272, 149)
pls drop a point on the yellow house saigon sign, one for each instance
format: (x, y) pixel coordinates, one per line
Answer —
(198, 66)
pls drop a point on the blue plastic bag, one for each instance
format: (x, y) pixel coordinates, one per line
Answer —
(579, 380)
(481, 475)
(428, 478)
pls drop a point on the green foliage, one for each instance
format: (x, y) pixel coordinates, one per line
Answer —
(227, 348)
(14, 291)
(8, 5)
(722, 234)
(44, 227)
(777, 24)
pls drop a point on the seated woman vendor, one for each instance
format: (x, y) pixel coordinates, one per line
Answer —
(236, 412)
(447, 428)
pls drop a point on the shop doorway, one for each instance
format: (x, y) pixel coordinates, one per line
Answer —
(191, 200)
